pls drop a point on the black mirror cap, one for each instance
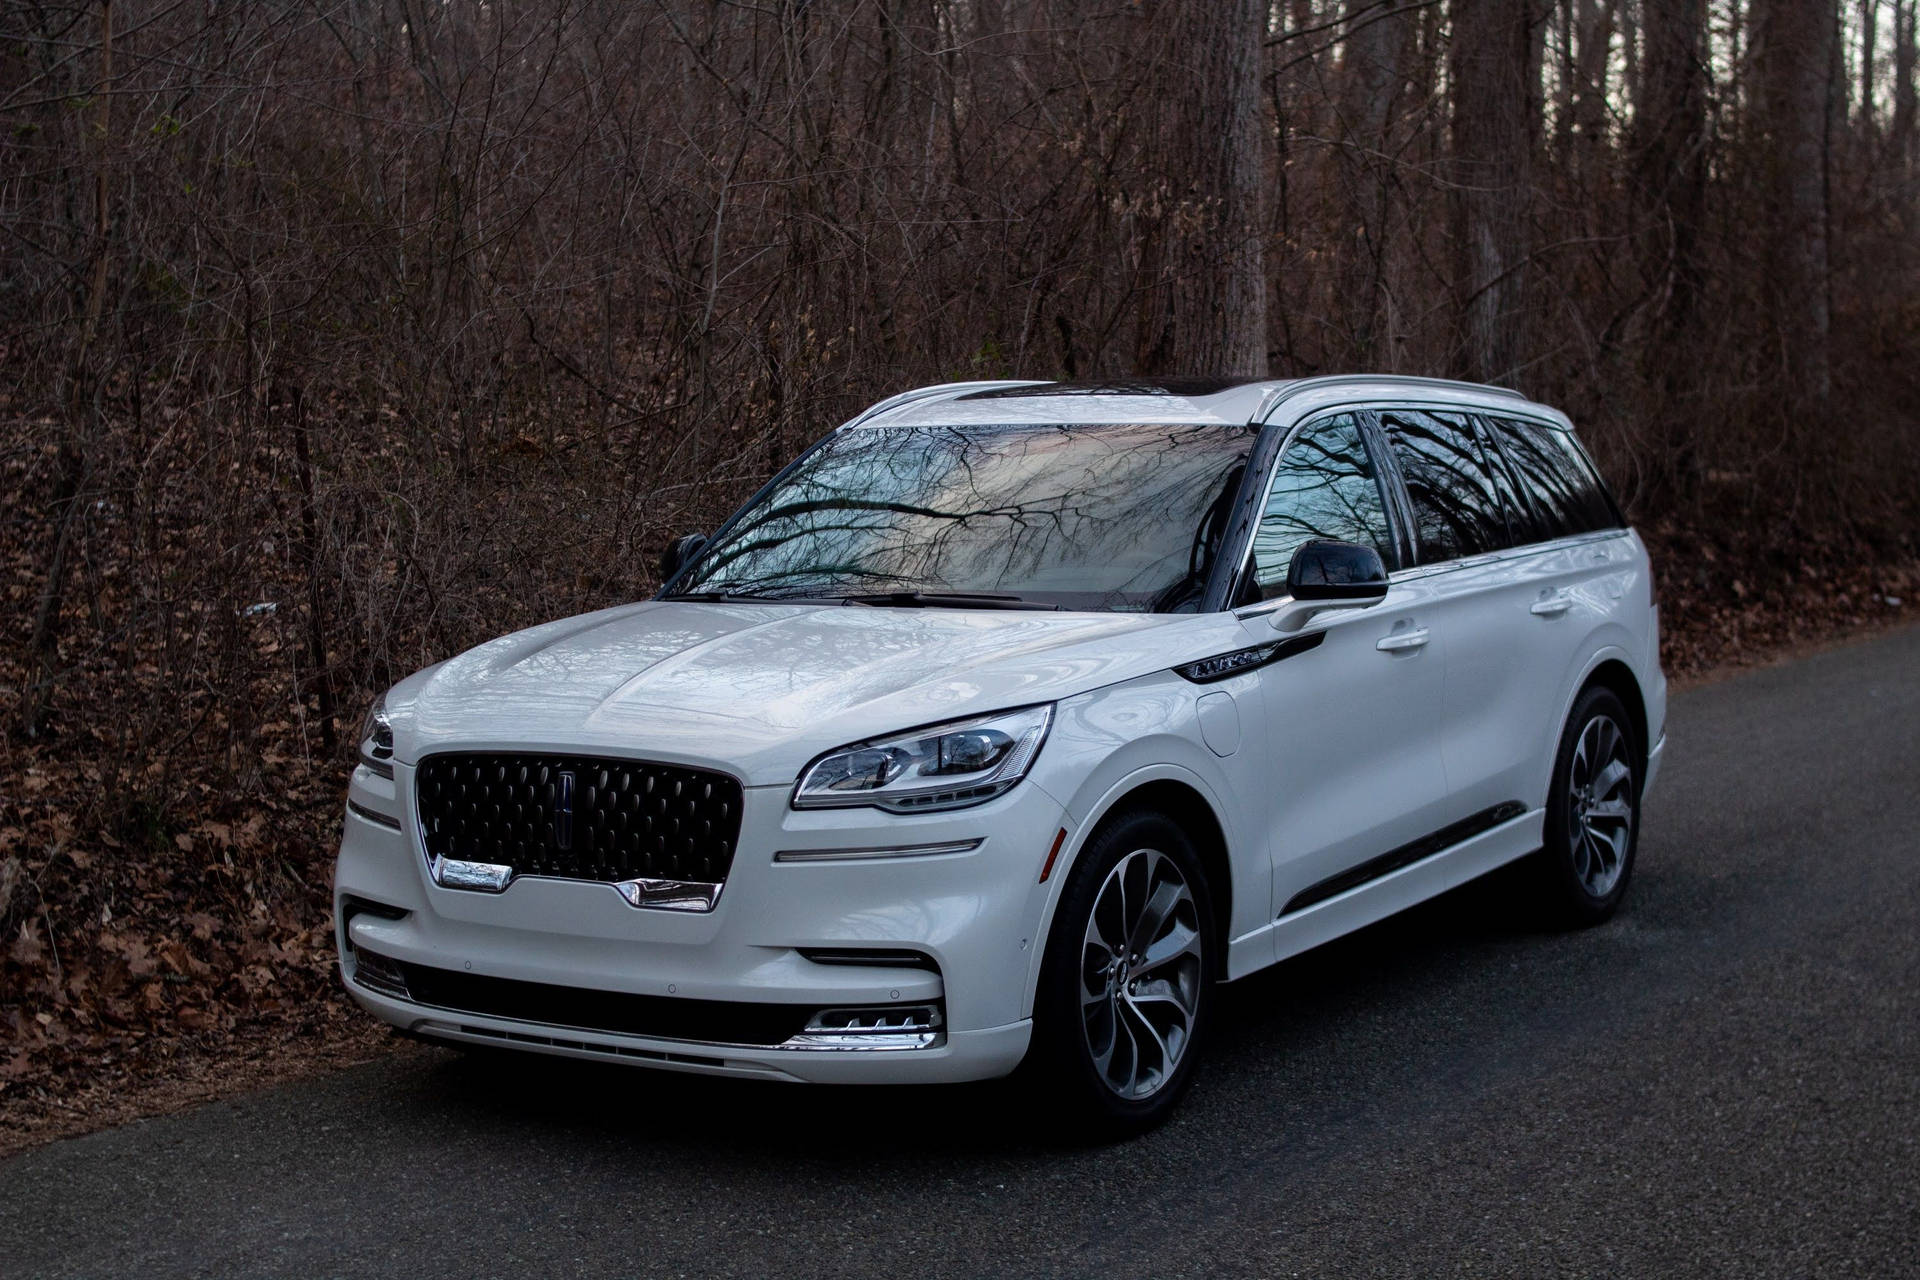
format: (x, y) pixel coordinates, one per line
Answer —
(679, 553)
(1327, 570)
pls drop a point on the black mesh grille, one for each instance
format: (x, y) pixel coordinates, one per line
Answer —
(580, 817)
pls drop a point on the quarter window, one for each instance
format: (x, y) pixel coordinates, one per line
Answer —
(1568, 497)
(1455, 495)
(1323, 487)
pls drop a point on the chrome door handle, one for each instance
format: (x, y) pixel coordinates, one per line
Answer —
(1552, 606)
(1401, 640)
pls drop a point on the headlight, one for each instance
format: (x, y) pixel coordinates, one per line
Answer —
(943, 766)
(376, 739)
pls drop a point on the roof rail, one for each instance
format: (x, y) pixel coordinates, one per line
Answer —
(938, 391)
(1280, 394)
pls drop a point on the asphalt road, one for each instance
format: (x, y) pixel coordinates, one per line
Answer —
(1725, 1080)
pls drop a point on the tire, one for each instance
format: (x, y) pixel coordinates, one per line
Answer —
(1111, 1068)
(1584, 865)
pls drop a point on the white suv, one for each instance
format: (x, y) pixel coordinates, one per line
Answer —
(1005, 722)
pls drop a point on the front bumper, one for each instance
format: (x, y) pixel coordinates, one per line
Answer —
(973, 916)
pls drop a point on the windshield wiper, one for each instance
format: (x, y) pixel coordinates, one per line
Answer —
(949, 600)
(749, 597)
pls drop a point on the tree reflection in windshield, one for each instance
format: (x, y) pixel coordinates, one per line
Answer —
(1113, 516)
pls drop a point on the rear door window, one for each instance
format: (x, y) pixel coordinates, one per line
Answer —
(1567, 494)
(1455, 495)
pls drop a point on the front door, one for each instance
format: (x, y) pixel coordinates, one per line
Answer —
(1354, 722)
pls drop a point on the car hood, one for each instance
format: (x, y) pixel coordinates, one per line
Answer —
(759, 690)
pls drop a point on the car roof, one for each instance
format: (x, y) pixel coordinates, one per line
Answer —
(1225, 401)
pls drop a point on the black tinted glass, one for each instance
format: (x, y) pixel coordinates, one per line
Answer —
(1114, 516)
(1521, 525)
(1456, 499)
(1323, 487)
(1566, 491)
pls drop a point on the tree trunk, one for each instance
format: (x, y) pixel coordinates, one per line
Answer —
(1793, 43)
(1670, 120)
(1489, 57)
(1371, 72)
(1869, 42)
(83, 411)
(1216, 311)
(1591, 105)
(1901, 128)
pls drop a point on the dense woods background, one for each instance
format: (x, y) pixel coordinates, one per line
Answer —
(338, 335)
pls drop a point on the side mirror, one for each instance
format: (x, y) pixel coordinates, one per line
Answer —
(679, 552)
(1325, 570)
(1331, 575)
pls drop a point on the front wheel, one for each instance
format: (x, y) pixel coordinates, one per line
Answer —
(1126, 986)
(1593, 813)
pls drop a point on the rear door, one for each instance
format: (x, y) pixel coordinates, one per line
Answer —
(1355, 720)
(1573, 574)
(1475, 552)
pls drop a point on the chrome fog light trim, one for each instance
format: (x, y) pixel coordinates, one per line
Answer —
(670, 895)
(654, 895)
(881, 851)
(883, 1027)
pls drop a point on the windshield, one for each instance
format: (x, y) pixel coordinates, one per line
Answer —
(1113, 516)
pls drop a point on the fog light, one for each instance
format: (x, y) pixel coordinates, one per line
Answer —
(377, 973)
(893, 1026)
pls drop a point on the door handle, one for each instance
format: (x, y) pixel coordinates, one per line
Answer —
(1400, 640)
(1552, 606)
(1602, 556)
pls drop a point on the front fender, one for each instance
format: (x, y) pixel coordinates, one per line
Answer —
(1108, 744)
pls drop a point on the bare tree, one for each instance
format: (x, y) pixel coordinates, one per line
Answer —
(1901, 128)
(1489, 55)
(1216, 307)
(1794, 48)
(1670, 177)
(1373, 68)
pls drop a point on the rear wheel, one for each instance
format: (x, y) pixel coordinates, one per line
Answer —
(1593, 813)
(1126, 984)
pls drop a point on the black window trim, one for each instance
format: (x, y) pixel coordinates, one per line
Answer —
(1225, 576)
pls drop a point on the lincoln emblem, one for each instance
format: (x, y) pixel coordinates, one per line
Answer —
(563, 813)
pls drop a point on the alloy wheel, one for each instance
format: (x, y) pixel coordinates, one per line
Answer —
(1142, 964)
(1600, 806)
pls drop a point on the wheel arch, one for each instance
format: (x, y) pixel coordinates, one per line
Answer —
(1617, 677)
(1193, 814)
(1183, 797)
